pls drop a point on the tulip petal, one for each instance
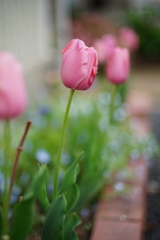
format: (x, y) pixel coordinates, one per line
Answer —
(77, 64)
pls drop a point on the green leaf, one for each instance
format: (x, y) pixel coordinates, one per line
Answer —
(23, 211)
(0, 221)
(36, 184)
(70, 175)
(72, 196)
(42, 195)
(89, 186)
(53, 225)
(70, 223)
(22, 220)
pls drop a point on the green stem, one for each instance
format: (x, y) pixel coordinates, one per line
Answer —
(61, 144)
(111, 106)
(7, 148)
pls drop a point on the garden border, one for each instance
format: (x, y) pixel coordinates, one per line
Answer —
(122, 218)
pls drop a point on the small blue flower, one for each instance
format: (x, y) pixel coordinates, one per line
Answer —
(85, 212)
(1, 182)
(14, 198)
(49, 188)
(42, 156)
(24, 178)
(66, 158)
(16, 191)
(119, 186)
(44, 110)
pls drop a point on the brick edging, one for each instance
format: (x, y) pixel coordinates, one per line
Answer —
(122, 218)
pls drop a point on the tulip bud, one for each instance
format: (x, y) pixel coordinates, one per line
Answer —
(129, 39)
(104, 47)
(118, 66)
(13, 97)
(79, 65)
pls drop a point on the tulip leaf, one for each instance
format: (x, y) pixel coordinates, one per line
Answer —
(71, 222)
(70, 175)
(23, 211)
(71, 196)
(35, 186)
(53, 226)
(87, 191)
(22, 220)
(42, 195)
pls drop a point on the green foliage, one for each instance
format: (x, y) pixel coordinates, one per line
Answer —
(70, 175)
(146, 23)
(72, 196)
(71, 222)
(90, 184)
(54, 224)
(23, 211)
(106, 151)
(106, 148)
(42, 195)
(0, 221)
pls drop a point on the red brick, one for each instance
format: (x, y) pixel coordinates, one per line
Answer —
(111, 230)
(131, 204)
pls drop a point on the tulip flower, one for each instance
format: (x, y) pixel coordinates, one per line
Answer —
(118, 66)
(79, 65)
(129, 39)
(104, 47)
(110, 43)
(13, 98)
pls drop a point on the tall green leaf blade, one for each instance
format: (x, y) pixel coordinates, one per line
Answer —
(69, 227)
(70, 175)
(23, 211)
(53, 225)
(72, 196)
(22, 220)
(87, 191)
(42, 195)
(35, 185)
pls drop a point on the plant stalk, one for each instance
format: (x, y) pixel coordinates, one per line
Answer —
(19, 150)
(57, 164)
(111, 106)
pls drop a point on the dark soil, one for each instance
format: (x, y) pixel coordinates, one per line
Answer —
(152, 224)
(85, 228)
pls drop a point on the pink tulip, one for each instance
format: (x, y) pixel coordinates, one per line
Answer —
(13, 98)
(99, 47)
(118, 66)
(129, 39)
(104, 47)
(110, 42)
(79, 65)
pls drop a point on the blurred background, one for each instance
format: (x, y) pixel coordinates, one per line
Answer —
(36, 32)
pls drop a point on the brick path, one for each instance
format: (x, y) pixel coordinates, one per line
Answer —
(122, 218)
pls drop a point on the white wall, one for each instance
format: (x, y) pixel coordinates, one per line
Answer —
(141, 3)
(24, 30)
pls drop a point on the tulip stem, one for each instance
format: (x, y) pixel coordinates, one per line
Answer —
(57, 165)
(112, 100)
(7, 148)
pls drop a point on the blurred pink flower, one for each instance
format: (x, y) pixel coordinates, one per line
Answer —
(104, 47)
(13, 97)
(129, 38)
(79, 65)
(118, 66)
